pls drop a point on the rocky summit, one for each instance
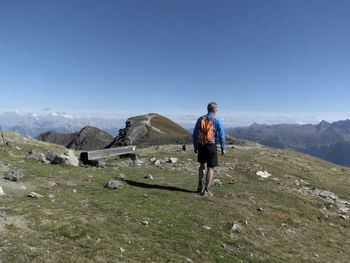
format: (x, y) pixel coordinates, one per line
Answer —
(269, 205)
(150, 129)
(88, 138)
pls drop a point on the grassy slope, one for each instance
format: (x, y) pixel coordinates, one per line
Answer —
(92, 224)
(167, 126)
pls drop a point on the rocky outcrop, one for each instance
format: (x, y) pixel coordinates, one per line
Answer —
(150, 129)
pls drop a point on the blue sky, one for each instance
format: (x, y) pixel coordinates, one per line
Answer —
(255, 58)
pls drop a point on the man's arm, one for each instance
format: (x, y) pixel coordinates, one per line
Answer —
(221, 131)
(194, 136)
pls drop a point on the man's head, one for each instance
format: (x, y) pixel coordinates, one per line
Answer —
(212, 106)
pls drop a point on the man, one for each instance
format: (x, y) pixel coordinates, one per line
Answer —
(207, 133)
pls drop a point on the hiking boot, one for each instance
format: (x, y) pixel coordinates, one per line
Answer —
(199, 188)
(207, 193)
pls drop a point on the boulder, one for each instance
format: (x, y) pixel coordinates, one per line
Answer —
(37, 156)
(113, 184)
(14, 176)
(69, 158)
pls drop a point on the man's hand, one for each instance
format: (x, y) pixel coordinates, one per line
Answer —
(223, 152)
(195, 150)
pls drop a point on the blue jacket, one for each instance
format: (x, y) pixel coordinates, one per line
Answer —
(219, 132)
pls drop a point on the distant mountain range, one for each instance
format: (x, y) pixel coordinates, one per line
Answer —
(33, 124)
(328, 141)
(142, 130)
(88, 138)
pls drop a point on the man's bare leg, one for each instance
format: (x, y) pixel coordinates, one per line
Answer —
(209, 178)
(201, 172)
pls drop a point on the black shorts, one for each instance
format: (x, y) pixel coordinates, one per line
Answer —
(208, 154)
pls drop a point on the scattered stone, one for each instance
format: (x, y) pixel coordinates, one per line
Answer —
(189, 260)
(68, 158)
(121, 176)
(18, 148)
(149, 177)
(264, 174)
(74, 191)
(274, 155)
(260, 209)
(157, 163)
(14, 176)
(122, 249)
(1, 191)
(51, 196)
(345, 217)
(173, 160)
(50, 156)
(51, 184)
(158, 148)
(37, 156)
(34, 195)
(138, 162)
(71, 158)
(206, 227)
(217, 182)
(153, 159)
(145, 222)
(184, 147)
(236, 228)
(113, 184)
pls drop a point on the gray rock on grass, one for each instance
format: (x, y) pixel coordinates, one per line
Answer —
(113, 184)
(14, 176)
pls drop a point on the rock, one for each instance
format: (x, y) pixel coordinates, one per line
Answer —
(74, 190)
(113, 184)
(172, 160)
(1, 191)
(51, 184)
(121, 176)
(34, 195)
(145, 222)
(50, 156)
(138, 162)
(51, 196)
(235, 228)
(68, 158)
(71, 158)
(262, 174)
(189, 260)
(122, 249)
(345, 217)
(18, 148)
(149, 176)
(153, 159)
(37, 156)
(14, 176)
(206, 227)
(157, 163)
(158, 148)
(260, 209)
(218, 182)
(184, 147)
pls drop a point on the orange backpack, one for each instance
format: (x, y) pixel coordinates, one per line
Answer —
(206, 131)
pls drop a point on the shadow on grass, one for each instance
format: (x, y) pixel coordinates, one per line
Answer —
(155, 186)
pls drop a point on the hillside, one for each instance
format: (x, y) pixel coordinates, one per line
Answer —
(150, 129)
(88, 138)
(287, 217)
(329, 141)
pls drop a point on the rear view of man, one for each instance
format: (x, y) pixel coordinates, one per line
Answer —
(207, 133)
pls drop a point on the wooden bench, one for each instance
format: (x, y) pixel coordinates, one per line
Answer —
(97, 157)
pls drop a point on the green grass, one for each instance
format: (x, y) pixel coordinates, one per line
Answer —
(92, 224)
